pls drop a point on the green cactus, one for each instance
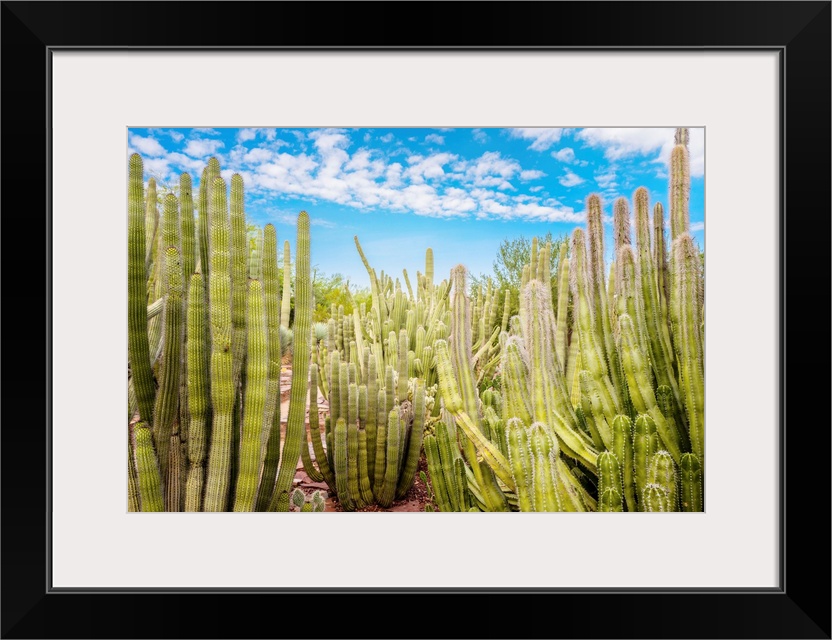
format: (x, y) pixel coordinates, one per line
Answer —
(655, 498)
(300, 368)
(286, 295)
(257, 367)
(645, 445)
(165, 411)
(622, 448)
(342, 466)
(271, 412)
(663, 473)
(391, 471)
(380, 464)
(519, 455)
(680, 185)
(414, 441)
(147, 469)
(198, 392)
(610, 480)
(138, 344)
(691, 472)
(239, 275)
(151, 223)
(352, 462)
(686, 328)
(133, 500)
(222, 382)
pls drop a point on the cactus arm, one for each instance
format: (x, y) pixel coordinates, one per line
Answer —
(300, 368)
(381, 443)
(198, 393)
(133, 499)
(391, 472)
(622, 448)
(286, 296)
(342, 465)
(437, 477)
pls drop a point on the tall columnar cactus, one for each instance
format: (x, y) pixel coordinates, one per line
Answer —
(165, 412)
(257, 367)
(271, 412)
(663, 473)
(222, 380)
(660, 260)
(147, 469)
(622, 448)
(563, 308)
(645, 444)
(198, 394)
(209, 174)
(342, 465)
(691, 481)
(239, 274)
(133, 499)
(596, 271)
(138, 344)
(689, 343)
(286, 296)
(186, 210)
(661, 353)
(680, 185)
(591, 341)
(610, 482)
(151, 222)
(391, 472)
(414, 441)
(295, 429)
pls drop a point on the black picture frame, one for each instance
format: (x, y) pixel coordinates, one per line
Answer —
(798, 608)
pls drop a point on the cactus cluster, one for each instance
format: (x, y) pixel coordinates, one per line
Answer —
(204, 349)
(605, 413)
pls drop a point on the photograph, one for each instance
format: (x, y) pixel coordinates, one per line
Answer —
(418, 320)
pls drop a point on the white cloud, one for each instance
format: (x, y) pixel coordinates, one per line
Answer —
(208, 131)
(245, 135)
(531, 174)
(656, 142)
(541, 138)
(697, 226)
(570, 179)
(147, 146)
(430, 167)
(387, 138)
(435, 139)
(536, 188)
(479, 136)
(258, 155)
(367, 137)
(200, 148)
(606, 179)
(566, 155)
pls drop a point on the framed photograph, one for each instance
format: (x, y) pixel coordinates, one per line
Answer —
(444, 133)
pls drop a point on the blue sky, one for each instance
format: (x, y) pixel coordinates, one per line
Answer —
(459, 191)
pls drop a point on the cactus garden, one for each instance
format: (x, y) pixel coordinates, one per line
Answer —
(258, 383)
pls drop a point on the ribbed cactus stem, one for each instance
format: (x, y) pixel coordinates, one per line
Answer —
(222, 383)
(691, 475)
(663, 473)
(506, 310)
(391, 472)
(381, 443)
(688, 336)
(563, 308)
(520, 459)
(372, 416)
(173, 480)
(642, 396)
(257, 367)
(271, 410)
(622, 448)
(661, 351)
(239, 274)
(680, 185)
(414, 441)
(596, 270)
(300, 368)
(165, 412)
(621, 223)
(610, 477)
(198, 392)
(403, 350)
(138, 344)
(655, 498)
(352, 465)
(133, 499)
(151, 221)
(315, 429)
(645, 445)
(660, 259)
(286, 295)
(429, 270)
(591, 343)
(342, 465)
(147, 469)
(186, 207)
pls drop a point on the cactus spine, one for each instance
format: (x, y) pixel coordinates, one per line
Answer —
(295, 429)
